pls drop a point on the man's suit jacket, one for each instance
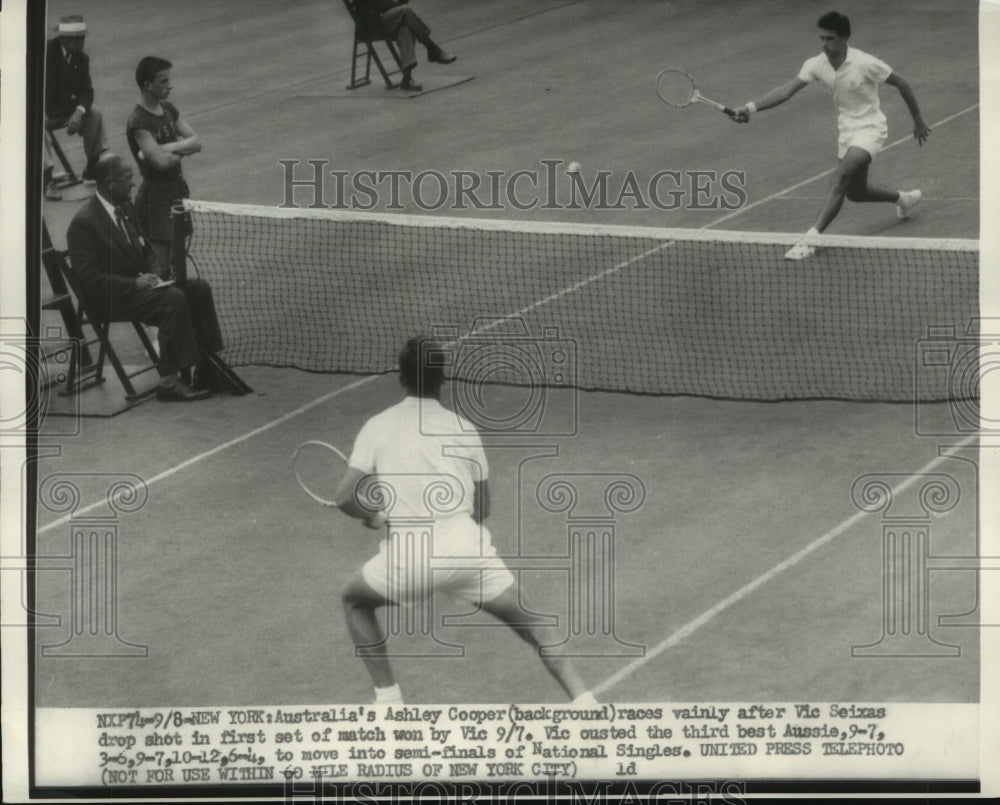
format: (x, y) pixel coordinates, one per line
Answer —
(105, 260)
(369, 15)
(66, 85)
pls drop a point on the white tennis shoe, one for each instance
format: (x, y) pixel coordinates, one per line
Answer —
(907, 201)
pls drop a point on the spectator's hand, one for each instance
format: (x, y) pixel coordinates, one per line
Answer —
(144, 281)
(74, 122)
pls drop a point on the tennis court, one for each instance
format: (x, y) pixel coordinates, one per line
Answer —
(747, 572)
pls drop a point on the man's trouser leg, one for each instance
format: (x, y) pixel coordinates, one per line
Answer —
(94, 138)
(167, 310)
(403, 23)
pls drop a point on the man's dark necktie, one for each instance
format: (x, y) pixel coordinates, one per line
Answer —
(125, 223)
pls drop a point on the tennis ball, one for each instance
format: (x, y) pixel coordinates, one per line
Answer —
(573, 167)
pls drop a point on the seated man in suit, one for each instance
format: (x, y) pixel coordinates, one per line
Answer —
(69, 96)
(394, 18)
(122, 280)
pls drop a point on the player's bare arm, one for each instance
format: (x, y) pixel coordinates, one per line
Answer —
(183, 148)
(481, 501)
(189, 142)
(346, 498)
(156, 155)
(920, 129)
(775, 97)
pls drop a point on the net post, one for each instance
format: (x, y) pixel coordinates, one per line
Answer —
(180, 222)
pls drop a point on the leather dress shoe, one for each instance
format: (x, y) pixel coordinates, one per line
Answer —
(409, 85)
(181, 392)
(440, 57)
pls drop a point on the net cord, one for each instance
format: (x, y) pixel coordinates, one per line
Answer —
(586, 230)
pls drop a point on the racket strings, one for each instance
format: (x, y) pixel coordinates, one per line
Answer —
(675, 87)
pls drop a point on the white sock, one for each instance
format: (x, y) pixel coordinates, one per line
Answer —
(812, 231)
(586, 699)
(390, 695)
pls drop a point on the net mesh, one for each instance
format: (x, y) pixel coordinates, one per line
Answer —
(694, 312)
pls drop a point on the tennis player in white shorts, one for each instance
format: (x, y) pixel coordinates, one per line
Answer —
(418, 460)
(852, 76)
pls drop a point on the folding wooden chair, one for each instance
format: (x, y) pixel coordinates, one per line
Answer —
(368, 31)
(61, 300)
(80, 375)
(69, 177)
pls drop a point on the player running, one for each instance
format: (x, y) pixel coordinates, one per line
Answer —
(852, 76)
(414, 447)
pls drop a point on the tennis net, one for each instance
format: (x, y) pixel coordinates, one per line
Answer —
(656, 311)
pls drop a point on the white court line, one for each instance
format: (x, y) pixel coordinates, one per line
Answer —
(811, 179)
(358, 383)
(224, 446)
(692, 626)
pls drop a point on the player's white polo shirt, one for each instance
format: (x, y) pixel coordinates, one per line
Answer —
(854, 86)
(414, 442)
(429, 458)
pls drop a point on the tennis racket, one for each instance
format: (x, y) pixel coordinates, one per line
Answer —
(319, 468)
(676, 88)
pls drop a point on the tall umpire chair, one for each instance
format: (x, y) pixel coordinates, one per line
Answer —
(84, 372)
(368, 31)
